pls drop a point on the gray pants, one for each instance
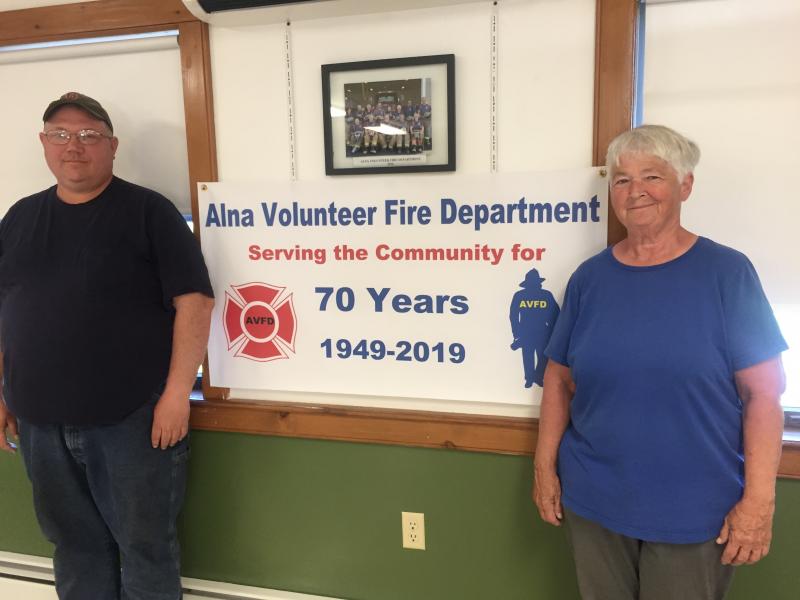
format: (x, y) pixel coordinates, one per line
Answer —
(611, 566)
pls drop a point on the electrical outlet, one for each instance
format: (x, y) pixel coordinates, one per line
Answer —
(413, 530)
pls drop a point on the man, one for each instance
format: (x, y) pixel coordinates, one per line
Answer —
(409, 111)
(399, 139)
(356, 137)
(379, 112)
(371, 135)
(425, 110)
(349, 119)
(105, 305)
(417, 134)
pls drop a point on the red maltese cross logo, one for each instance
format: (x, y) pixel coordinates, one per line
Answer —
(259, 321)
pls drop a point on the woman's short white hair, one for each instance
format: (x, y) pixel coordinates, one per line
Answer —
(681, 153)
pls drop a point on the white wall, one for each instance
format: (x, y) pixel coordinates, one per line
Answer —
(725, 74)
(546, 79)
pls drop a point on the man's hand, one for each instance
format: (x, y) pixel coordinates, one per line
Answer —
(8, 428)
(547, 495)
(170, 420)
(747, 532)
(189, 340)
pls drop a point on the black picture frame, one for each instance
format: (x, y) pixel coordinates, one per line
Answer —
(417, 139)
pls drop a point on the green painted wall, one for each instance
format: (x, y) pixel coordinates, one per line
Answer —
(324, 518)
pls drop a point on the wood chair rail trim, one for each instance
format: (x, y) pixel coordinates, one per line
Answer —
(477, 433)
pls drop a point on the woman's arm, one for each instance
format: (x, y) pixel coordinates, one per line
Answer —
(747, 530)
(553, 420)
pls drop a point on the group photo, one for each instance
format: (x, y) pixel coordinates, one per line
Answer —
(388, 117)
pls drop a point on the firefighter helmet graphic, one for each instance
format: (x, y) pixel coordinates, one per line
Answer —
(259, 321)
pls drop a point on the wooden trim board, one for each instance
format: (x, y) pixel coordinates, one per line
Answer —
(90, 19)
(478, 433)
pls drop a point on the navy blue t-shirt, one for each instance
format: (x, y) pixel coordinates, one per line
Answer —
(654, 445)
(86, 293)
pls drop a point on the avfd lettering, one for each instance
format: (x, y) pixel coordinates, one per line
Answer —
(259, 320)
(533, 303)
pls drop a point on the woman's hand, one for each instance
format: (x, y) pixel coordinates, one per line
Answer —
(747, 532)
(747, 529)
(547, 495)
(553, 420)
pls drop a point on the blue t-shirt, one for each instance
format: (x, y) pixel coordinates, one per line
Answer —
(654, 445)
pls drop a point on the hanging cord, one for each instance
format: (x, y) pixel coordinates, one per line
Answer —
(493, 89)
(290, 99)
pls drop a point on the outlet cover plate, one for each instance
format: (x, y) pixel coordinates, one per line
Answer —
(413, 530)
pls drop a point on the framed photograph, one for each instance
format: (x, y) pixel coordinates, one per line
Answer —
(390, 116)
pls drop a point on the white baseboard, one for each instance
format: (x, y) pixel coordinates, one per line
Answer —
(12, 588)
(31, 578)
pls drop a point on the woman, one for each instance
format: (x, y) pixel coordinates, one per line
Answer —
(660, 427)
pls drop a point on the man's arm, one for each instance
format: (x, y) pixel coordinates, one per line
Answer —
(189, 342)
(553, 420)
(8, 423)
(747, 530)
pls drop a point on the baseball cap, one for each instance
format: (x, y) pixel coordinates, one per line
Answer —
(90, 105)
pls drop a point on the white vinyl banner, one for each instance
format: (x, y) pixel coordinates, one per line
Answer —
(439, 287)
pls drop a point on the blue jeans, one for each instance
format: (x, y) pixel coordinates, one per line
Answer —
(108, 501)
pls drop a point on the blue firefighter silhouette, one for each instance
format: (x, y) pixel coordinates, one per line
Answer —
(533, 313)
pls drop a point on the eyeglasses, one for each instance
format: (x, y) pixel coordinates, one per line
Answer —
(87, 137)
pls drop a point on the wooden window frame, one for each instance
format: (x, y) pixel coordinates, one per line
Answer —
(615, 51)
